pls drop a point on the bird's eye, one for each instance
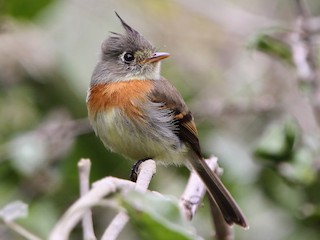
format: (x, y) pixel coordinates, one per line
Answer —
(128, 57)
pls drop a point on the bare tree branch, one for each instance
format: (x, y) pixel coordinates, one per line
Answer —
(193, 195)
(13, 211)
(147, 170)
(22, 231)
(195, 191)
(189, 203)
(84, 166)
(74, 214)
(302, 50)
(223, 230)
(100, 189)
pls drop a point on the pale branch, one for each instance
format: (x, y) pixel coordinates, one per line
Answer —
(84, 166)
(313, 25)
(194, 191)
(73, 215)
(223, 230)
(193, 195)
(100, 189)
(22, 231)
(13, 211)
(189, 203)
(146, 170)
(303, 58)
(302, 51)
(116, 226)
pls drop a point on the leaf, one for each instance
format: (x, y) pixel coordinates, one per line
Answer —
(278, 190)
(277, 143)
(157, 217)
(24, 8)
(302, 169)
(272, 46)
(13, 211)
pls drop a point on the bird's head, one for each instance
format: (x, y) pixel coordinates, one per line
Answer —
(128, 56)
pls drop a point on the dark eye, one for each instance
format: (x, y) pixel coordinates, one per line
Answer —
(128, 57)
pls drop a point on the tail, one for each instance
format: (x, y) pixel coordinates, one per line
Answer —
(218, 192)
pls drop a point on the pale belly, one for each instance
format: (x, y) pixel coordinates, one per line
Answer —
(139, 141)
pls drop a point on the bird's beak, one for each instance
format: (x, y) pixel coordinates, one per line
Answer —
(156, 57)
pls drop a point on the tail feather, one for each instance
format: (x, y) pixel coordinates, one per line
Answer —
(218, 192)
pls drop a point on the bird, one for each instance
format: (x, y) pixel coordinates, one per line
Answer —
(139, 114)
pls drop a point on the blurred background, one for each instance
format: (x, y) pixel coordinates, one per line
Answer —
(250, 108)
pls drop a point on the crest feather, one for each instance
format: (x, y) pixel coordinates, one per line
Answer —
(126, 26)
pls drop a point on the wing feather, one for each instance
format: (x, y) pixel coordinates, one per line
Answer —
(166, 94)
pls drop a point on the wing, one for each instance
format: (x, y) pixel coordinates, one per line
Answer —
(165, 94)
(167, 97)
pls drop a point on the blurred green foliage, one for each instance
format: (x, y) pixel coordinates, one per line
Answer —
(278, 142)
(157, 217)
(24, 9)
(289, 176)
(272, 46)
(48, 49)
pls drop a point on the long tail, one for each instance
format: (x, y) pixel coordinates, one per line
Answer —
(218, 192)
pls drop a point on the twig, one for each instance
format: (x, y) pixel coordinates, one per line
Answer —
(223, 230)
(302, 50)
(73, 215)
(13, 211)
(84, 166)
(100, 189)
(22, 231)
(192, 197)
(302, 47)
(116, 226)
(147, 170)
(313, 25)
(194, 192)
(190, 200)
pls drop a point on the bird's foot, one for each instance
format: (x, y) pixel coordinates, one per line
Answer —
(135, 170)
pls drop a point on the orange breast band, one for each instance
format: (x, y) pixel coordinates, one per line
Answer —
(119, 94)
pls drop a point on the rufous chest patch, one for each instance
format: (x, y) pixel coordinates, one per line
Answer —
(123, 95)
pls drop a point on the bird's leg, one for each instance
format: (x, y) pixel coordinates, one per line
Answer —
(135, 169)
